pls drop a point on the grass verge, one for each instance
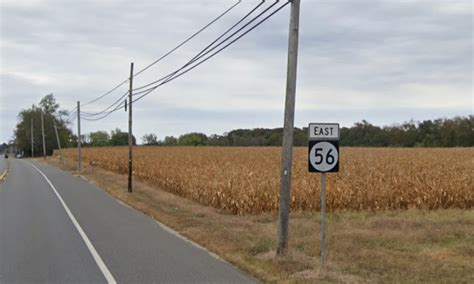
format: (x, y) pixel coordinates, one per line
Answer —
(409, 246)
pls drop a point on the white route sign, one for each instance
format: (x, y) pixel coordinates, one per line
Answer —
(324, 156)
(323, 131)
(323, 147)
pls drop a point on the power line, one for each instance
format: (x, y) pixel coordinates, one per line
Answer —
(71, 117)
(208, 46)
(119, 103)
(175, 75)
(167, 54)
(188, 39)
(73, 110)
(107, 108)
(104, 115)
(106, 94)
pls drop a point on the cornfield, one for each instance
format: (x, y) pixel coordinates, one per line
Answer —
(246, 180)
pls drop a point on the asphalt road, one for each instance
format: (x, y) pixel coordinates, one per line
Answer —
(4, 164)
(58, 228)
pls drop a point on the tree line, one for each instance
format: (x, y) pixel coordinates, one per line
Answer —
(447, 132)
(29, 125)
(443, 132)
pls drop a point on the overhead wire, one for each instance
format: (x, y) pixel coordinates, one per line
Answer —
(175, 74)
(212, 43)
(104, 115)
(204, 52)
(119, 103)
(107, 108)
(70, 119)
(188, 39)
(106, 94)
(161, 58)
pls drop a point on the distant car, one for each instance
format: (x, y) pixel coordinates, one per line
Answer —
(6, 155)
(19, 156)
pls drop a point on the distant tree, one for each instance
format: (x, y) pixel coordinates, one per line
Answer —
(119, 138)
(192, 139)
(170, 141)
(464, 131)
(427, 134)
(274, 137)
(300, 137)
(51, 115)
(150, 139)
(99, 138)
(48, 104)
(218, 140)
(3, 147)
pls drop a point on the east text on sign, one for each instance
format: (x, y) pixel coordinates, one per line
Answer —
(323, 131)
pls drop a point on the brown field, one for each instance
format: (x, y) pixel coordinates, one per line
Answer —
(246, 180)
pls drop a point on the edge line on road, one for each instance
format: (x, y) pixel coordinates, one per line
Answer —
(3, 175)
(100, 263)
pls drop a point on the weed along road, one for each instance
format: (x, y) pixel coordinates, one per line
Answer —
(59, 228)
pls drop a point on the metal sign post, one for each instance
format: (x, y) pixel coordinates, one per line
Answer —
(323, 157)
(322, 230)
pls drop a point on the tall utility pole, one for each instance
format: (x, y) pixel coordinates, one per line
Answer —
(130, 135)
(287, 148)
(42, 131)
(32, 151)
(79, 137)
(59, 143)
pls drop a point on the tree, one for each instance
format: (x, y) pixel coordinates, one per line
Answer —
(3, 147)
(218, 140)
(170, 141)
(51, 115)
(119, 138)
(48, 104)
(150, 139)
(99, 138)
(192, 139)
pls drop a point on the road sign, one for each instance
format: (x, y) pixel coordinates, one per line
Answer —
(323, 131)
(323, 156)
(323, 150)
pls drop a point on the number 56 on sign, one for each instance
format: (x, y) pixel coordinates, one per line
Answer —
(323, 156)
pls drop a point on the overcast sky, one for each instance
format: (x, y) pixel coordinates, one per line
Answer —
(385, 61)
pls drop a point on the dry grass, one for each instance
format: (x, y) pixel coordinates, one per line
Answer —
(246, 180)
(400, 246)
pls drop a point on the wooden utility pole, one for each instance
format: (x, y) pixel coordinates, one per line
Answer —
(130, 135)
(79, 137)
(287, 147)
(32, 151)
(59, 143)
(42, 133)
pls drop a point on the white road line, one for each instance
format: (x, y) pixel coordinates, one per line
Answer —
(100, 263)
(3, 175)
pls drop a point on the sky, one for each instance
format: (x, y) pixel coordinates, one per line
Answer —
(385, 61)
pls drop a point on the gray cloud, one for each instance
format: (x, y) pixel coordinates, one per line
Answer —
(384, 60)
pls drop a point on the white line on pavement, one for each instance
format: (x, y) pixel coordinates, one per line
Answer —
(100, 263)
